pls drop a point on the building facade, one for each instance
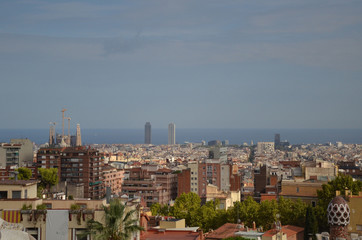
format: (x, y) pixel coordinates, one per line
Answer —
(148, 133)
(76, 165)
(171, 134)
(113, 178)
(152, 184)
(17, 152)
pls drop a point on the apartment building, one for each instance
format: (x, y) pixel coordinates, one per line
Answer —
(152, 184)
(76, 165)
(17, 152)
(113, 178)
(199, 175)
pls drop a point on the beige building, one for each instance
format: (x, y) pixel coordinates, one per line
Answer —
(194, 172)
(227, 199)
(173, 223)
(322, 170)
(113, 178)
(58, 221)
(304, 190)
(355, 205)
(17, 152)
(18, 189)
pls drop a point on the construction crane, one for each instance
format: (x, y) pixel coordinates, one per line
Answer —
(68, 140)
(63, 110)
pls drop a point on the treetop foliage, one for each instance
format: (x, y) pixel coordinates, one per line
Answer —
(48, 177)
(24, 173)
(209, 216)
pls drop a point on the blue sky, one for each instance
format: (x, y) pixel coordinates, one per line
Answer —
(200, 64)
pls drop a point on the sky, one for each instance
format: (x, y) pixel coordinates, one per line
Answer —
(199, 64)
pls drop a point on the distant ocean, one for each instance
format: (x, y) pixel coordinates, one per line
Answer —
(159, 136)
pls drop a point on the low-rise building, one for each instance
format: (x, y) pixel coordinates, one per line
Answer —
(304, 190)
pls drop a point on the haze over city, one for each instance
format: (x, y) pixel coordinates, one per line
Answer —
(200, 64)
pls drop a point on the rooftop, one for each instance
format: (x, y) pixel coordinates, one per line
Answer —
(19, 182)
(166, 235)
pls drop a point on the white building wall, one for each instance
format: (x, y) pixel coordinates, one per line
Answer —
(225, 177)
(194, 181)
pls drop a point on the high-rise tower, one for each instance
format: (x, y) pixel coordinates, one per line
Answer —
(148, 133)
(277, 139)
(52, 133)
(171, 134)
(78, 140)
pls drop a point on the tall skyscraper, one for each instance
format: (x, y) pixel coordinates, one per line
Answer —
(148, 133)
(52, 133)
(171, 134)
(277, 139)
(78, 138)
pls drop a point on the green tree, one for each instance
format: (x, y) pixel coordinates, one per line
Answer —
(247, 211)
(311, 224)
(158, 209)
(24, 173)
(292, 212)
(267, 214)
(155, 209)
(328, 192)
(48, 177)
(119, 223)
(187, 206)
(207, 214)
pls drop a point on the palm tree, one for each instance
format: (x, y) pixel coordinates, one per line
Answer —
(119, 223)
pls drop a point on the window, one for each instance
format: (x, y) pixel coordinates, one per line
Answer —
(314, 203)
(3, 194)
(16, 194)
(297, 189)
(26, 193)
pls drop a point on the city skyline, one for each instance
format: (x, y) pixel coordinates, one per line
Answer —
(208, 64)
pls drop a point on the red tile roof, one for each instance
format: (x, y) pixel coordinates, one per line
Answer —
(290, 230)
(225, 231)
(167, 235)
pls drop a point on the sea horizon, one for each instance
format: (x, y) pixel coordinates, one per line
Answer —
(236, 136)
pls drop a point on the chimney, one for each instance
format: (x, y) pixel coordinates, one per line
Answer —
(254, 226)
(338, 193)
(201, 234)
